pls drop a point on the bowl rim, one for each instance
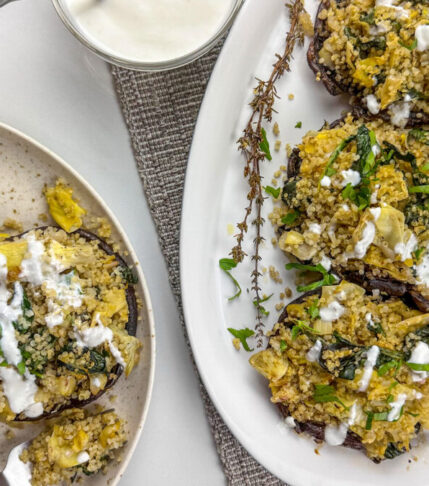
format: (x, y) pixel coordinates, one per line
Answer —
(143, 65)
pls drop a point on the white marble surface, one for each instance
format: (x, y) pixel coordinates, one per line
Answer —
(55, 91)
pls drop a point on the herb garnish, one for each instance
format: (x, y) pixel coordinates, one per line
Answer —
(368, 17)
(421, 136)
(264, 145)
(419, 189)
(273, 191)
(257, 303)
(298, 125)
(242, 335)
(313, 310)
(327, 278)
(290, 218)
(375, 327)
(410, 47)
(393, 364)
(326, 393)
(329, 171)
(393, 451)
(418, 366)
(227, 264)
(283, 345)
(418, 253)
(128, 275)
(301, 327)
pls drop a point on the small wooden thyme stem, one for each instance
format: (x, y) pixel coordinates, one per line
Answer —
(262, 109)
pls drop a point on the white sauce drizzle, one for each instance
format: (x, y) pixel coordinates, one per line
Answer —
(94, 336)
(400, 112)
(422, 37)
(314, 353)
(405, 250)
(375, 213)
(19, 390)
(290, 421)
(422, 269)
(374, 194)
(315, 228)
(333, 311)
(373, 104)
(82, 457)
(401, 12)
(367, 238)
(371, 359)
(335, 435)
(350, 176)
(420, 355)
(325, 181)
(395, 407)
(38, 272)
(326, 263)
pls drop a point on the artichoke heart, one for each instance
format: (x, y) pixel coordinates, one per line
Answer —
(64, 451)
(64, 210)
(270, 365)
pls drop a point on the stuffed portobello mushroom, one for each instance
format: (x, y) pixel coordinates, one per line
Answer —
(79, 443)
(68, 319)
(356, 202)
(349, 367)
(378, 51)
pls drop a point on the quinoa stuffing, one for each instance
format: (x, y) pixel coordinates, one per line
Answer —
(348, 364)
(67, 306)
(379, 51)
(79, 443)
(357, 200)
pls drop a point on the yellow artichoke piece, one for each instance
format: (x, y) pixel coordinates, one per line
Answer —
(14, 251)
(65, 211)
(70, 256)
(129, 347)
(390, 225)
(269, 364)
(64, 451)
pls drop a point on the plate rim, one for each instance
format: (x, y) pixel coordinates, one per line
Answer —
(142, 281)
(235, 430)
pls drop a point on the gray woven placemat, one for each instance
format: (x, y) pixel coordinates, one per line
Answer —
(160, 110)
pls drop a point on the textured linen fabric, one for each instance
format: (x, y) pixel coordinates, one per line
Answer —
(160, 110)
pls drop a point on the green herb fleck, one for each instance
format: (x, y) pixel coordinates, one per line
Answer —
(261, 308)
(327, 278)
(421, 136)
(418, 366)
(264, 145)
(411, 46)
(290, 218)
(326, 393)
(275, 192)
(329, 170)
(313, 310)
(21, 367)
(283, 345)
(227, 264)
(301, 327)
(419, 189)
(298, 125)
(242, 335)
(128, 275)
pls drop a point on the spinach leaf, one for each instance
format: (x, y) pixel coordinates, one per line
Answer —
(289, 191)
(393, 451)
(128, 275)
(420, 135)
(368, 17)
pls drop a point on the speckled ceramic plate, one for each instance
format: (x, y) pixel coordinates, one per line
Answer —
(26, 167)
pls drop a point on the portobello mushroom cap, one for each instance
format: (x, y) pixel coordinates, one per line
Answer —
(328, 76)
(316, 430)
(131, 326)
(391, 286)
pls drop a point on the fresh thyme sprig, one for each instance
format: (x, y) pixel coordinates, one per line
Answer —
(254, 148)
